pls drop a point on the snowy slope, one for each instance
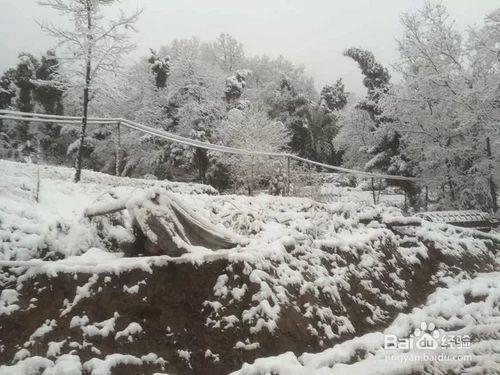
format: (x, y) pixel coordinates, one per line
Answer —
(55, 224)
(463, 308)
(310, 276)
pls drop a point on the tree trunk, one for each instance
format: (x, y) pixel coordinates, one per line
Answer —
(88, 70)
(426, 198)
(202, 162)
(493, 190)
(452, 190)
(288, 178)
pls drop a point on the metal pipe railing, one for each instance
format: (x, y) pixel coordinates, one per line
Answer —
(73, 120)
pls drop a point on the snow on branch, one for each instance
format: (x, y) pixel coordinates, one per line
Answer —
(93, 38)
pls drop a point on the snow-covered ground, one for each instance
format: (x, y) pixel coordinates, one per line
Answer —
(55, 224)
(335, 275)
(338, 191)
(461, 320)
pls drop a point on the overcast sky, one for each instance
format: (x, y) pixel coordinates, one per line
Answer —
(309, 32)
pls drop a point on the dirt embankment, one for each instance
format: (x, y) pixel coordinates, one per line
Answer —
(170, 305)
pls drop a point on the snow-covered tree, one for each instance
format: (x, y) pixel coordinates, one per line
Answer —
(138, 99)
(484, 68)
(227, 52)
(93, 45)
(252, 129)
(334, 97)
(446, 107)
(268, 74)
(235, 85)
(194, 104)
(22, 138)
(7, 93)
(355, 136)
(32, 86)
(376, 79)
(198, 120)
(386, 153)
(160, 66)
(48, 92)
(291, 108)
(7, 88)
(25, 75)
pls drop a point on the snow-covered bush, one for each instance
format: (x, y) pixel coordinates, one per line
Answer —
(253, 130)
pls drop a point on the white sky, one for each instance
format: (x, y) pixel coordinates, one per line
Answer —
(309, 32)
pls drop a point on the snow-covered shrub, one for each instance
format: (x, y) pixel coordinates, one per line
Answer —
(253, 130)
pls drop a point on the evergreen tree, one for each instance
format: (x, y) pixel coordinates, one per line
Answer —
(160, 67)
(24, 77)
(291, 109)
(376, 80)
(7, 91)
(234, 87)
(334, 97)
(34, 86)
(386, 154)
(7, 88)
(48, 93)
(47, 89)
(199, 116)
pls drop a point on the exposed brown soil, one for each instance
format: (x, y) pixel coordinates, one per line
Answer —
(170, 308)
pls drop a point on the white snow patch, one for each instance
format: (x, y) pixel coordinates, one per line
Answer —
(247, 345)
(102, 329)
(209, 354)
(185, 355)
(21, 354)
(8, 299)
(55, 348)
(78, 321)
(81, 293)
(96, 366)
(133, 329)
(40, 332)
(132, 290)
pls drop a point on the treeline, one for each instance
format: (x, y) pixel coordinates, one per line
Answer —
(439, 122)
(206, 91)
(33, 85)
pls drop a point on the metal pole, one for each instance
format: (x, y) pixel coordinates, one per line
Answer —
(493, 190)
(118, 150)
(250, 185)
(426, 197)
(405, 209)
(379, 189)
(373, 191)
(39, 156)
(288, 175)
